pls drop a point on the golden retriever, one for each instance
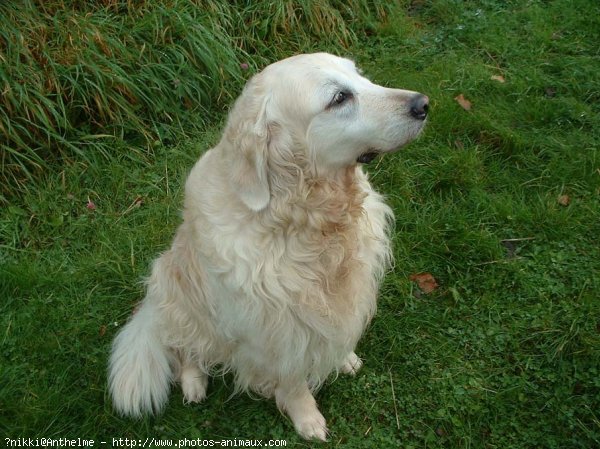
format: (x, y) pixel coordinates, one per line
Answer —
(273, 273)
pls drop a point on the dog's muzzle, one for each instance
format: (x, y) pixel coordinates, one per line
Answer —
(418, 109)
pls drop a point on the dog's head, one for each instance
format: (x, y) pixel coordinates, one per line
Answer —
(322, 106)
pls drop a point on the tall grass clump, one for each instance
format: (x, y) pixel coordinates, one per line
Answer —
(74, 79)
(79, 77)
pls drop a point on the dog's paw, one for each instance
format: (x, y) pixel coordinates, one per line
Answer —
(312, 427)
(352, 364)
(193, 385)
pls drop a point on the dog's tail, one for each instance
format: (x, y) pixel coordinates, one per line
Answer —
(141, 365)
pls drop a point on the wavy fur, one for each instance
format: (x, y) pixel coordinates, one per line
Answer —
(273, 273)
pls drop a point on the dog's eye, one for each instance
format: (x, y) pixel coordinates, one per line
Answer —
(340, 97)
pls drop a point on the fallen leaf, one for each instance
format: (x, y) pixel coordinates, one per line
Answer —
(463, 102)
(498, 78)
(102, 330)
(425, 281)
(564, 200)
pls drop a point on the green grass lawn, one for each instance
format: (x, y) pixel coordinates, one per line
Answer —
(501, 204)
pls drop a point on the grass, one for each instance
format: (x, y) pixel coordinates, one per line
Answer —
(505, 353)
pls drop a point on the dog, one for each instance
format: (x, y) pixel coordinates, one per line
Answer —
(273, 273)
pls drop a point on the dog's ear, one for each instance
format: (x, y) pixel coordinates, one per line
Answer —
(247, 134)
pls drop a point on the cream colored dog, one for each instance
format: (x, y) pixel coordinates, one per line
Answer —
(273, 273)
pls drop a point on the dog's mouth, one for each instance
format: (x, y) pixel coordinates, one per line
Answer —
(367, 157)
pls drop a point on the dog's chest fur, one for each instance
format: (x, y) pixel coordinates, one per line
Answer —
(303, 273)
(309, 249)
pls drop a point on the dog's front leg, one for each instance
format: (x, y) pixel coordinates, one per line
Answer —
(193, 383)
(297, 401)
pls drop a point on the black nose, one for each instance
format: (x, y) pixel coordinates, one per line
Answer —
(419, 105)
